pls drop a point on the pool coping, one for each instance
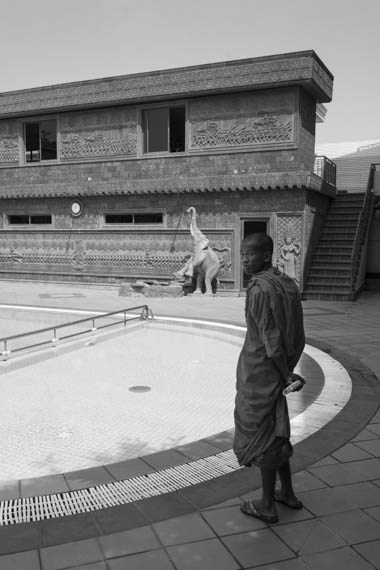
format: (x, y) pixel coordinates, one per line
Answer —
(360, 408)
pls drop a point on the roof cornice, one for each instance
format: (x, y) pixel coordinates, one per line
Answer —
(299, 68)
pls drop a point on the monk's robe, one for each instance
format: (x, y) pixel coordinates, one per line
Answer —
(273, 344)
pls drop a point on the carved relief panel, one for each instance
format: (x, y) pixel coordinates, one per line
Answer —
(145, 253)
(289, 246)
(9, 151)
(88, 134)
(250, 119)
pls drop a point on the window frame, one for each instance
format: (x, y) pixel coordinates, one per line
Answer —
(22, 139)
(141, 128)
(118, 226)
(28, 225)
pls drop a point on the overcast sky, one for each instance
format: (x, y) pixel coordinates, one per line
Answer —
(44, 42)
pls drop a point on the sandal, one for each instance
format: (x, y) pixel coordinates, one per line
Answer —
(249, 508)
(296, 505)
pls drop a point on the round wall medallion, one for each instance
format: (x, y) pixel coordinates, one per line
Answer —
(139, 389)
(76, 208)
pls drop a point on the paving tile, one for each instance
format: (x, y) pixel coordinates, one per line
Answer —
(374, 512)
(351, 452)
(342, 559)
(197, 449)
(164, 507)
(354, 526)
(222, 440)
(372, 446)
(165, 459)
(68, 529)
(352, 472)
(329, 460)
(122, 517)
(128, 469)
(91, 566)
(257, 547)
(325, 501)
(70, 554)
(374, 428)
(128, 542)
(202, 555)
(365, 435)
(230, 520)
(154, 560)
(14, 538)
(28, 560)
(370, 551)
(43, 485)
(228, 503)
(9, 490)
(88, 478)
(361, 495)
(180, 530)
(305, 481)
(293, 564)
(309, 536)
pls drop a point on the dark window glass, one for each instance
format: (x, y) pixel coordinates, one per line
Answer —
(119, 219)
(41, 141)
(148, 218)
(156, 130)
(40, 219)
(177, 129)
(18, 219)
(48, 130)
(32, 142)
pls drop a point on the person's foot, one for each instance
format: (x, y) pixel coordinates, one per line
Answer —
(258, 511)
(289, 500)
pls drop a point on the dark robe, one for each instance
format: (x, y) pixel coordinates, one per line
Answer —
(273, 344)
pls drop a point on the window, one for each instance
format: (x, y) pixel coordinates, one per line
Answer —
(26, 219)
(135, 218)
(40, 140)
(164, 129)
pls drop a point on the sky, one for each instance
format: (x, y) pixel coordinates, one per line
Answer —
(45, 42)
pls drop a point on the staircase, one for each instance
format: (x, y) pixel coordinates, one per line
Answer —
(337, 266)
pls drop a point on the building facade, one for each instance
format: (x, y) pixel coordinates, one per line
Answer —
(96, 176)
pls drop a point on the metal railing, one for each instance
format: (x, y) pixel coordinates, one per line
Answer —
(6, 342)
(325, 169)
(357, 258)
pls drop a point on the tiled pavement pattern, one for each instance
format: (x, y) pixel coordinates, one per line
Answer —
(339, 528)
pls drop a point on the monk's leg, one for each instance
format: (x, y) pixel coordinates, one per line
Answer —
(268, 480)
(286, 494)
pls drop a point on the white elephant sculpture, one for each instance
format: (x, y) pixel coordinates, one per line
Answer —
(204, 264)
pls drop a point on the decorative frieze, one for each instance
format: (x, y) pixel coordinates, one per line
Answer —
(245, 119)
(268, 129)
(149, 252)
(9, 151)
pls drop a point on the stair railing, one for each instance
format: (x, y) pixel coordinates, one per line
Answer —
(358, 254)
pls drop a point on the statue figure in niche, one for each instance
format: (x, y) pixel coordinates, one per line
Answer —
(289, 257)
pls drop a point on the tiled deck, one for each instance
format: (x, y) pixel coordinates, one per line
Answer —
(338, 473)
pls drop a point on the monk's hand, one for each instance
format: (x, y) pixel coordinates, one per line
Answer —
(293, 377)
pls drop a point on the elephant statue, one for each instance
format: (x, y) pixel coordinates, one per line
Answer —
(204, 264)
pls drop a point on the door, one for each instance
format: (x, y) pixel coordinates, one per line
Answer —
(250, 226)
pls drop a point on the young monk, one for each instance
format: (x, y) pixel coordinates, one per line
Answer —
(273, 344)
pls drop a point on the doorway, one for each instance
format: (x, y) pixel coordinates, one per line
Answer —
(250, 226)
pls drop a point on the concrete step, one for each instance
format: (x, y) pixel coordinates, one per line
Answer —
(315, 295)
(340, 225)
(343, 217)
(332, 282)
(338, 234)
(322, 287)
(332, 272)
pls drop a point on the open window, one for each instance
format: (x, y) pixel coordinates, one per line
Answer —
(164, 129)
(40, 139)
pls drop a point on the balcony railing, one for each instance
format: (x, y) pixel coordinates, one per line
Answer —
(325, 169)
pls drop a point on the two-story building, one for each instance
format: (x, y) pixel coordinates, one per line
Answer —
(96, 176)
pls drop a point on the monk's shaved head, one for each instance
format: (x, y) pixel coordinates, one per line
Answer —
(260, 241)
